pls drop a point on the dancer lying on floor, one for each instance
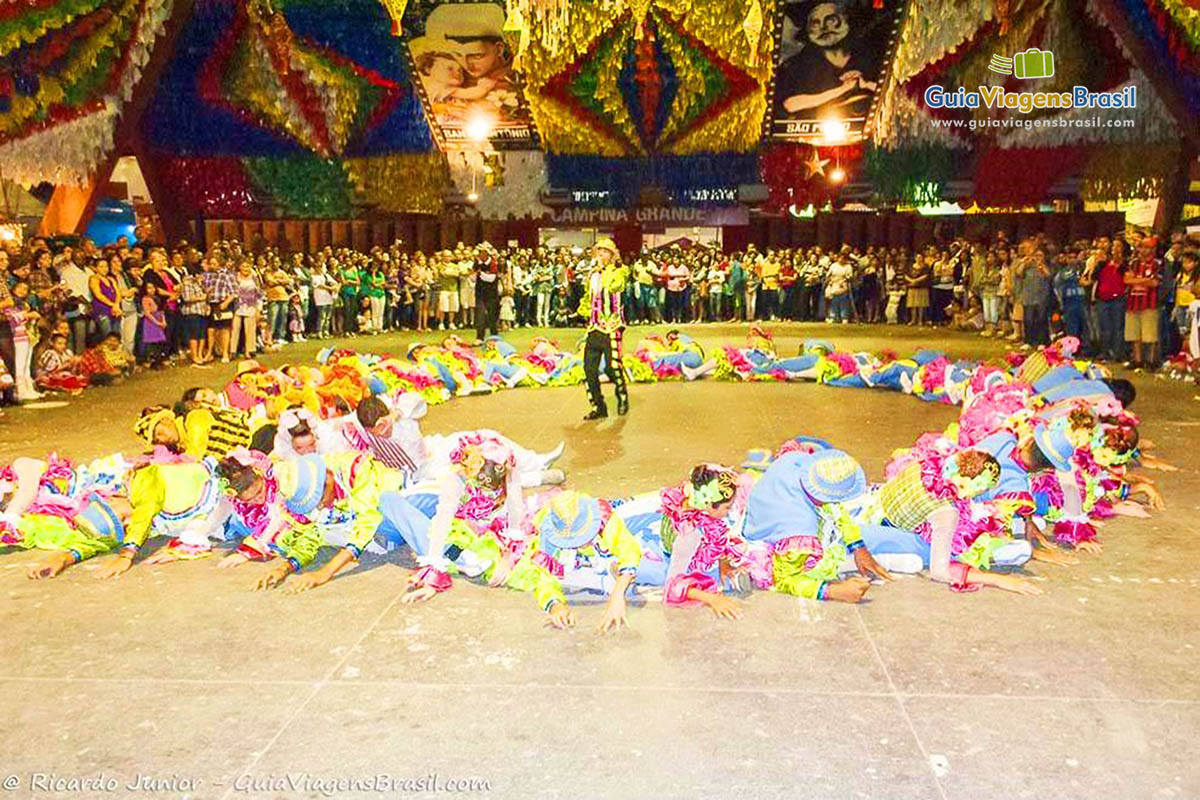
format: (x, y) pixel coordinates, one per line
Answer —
(577, 544)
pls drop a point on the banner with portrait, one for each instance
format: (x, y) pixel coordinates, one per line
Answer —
(463, 69)
(831, 58)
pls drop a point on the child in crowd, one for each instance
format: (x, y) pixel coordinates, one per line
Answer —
(23, 319)
(154, 330)
(295, 319)
(896, 293)
(508, 315)
(57, 368)
(969, 318)
(364, 315)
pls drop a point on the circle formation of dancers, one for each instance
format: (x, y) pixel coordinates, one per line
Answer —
(283, 463)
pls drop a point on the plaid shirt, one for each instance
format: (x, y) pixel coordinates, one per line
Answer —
(40, 280)
(192, 295)
(906, 502)
(219, 286)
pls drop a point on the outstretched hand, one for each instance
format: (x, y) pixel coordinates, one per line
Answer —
(234, 559)
(272, 579)
(868, 567)
(1018, 585)
(418, 594)
(725, 607)
(614, 616)
(309, 580)
(1053, 555)
(50, 566)
(116, 567)
(560, 616)
(164, 556)
(851, 590)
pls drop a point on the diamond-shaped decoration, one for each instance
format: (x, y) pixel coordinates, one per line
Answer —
(296, 88)
(639, 66)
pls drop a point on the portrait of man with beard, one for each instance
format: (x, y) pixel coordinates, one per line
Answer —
(836, 69)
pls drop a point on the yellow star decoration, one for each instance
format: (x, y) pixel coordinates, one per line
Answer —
(816, 164)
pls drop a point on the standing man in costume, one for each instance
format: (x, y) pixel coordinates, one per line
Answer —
(601, 307)
(487, 292)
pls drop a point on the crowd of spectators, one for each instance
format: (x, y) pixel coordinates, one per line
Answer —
(76, 314)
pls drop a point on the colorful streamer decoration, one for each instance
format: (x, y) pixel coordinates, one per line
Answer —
(66, 70)
(800, 174)
(662, 77)
(268, 76)
(941, 45)
(299, 77)
(306, 186)
(395, 10)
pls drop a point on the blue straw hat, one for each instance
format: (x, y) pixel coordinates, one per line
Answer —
(1055, 446)
(816, 442)
(301, 483)
(569, 521)
(923, 357)
(832, 476)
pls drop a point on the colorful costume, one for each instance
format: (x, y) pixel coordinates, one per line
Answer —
(179, 499)
(795, 523)
(602, 307)
(694, 543)
(359, 483)
(667, 355)
(468, 519)
(54, 506)
(577, 544)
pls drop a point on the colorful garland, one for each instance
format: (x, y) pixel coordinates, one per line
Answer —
(66, 70)
(316, 78)
(791, 172)
(402, 182)
(666, 77)
(308, 187)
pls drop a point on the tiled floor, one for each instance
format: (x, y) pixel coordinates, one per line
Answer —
(182, 675)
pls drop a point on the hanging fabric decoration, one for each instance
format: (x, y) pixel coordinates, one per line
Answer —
(395, 10)
(302, 186)
(265, 74)
(752, 27)
(515, 28)
(211, 187)
(66, 72)
(914, 175)
(520, 195)
(400, 183)
(1128, 172)
(664, 76)
(998, 184)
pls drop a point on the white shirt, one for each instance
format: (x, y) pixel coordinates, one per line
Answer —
(320, 289)
(75, 279)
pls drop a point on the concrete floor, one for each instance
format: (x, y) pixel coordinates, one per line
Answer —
(181, 674)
